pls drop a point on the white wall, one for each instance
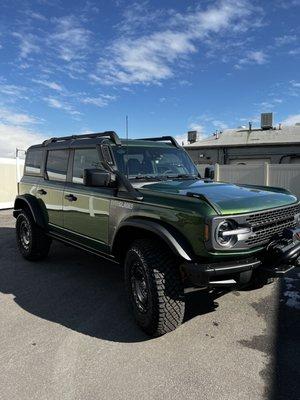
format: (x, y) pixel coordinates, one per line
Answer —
(11, 171)
(286, 176)
(251, 174)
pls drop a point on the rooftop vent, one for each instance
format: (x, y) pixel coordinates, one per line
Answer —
(192, 136)
(267, 121)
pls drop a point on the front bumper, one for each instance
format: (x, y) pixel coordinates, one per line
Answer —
(280, 256)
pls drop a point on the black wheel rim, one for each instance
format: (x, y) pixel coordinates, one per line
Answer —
(24, 233)
(139, 286)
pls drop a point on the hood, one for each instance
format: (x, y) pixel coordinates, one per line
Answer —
(227, 198)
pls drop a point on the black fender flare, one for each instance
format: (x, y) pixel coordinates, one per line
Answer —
(34, 206)
(169, 235)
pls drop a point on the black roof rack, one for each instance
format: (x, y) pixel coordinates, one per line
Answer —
(163, 139)
(109, 134)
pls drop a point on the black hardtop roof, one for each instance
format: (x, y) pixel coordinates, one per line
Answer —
(98, 138)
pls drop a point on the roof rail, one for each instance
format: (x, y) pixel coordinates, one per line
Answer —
(163, 139)
(109, 134)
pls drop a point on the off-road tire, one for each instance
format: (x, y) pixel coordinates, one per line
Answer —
(165, 304)
(37, 243)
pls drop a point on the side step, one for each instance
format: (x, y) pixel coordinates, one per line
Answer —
(227, 282)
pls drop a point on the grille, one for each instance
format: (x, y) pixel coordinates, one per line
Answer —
(267, 224)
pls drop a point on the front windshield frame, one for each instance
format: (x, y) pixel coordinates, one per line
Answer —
(148, 165)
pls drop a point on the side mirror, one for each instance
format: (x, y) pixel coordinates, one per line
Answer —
(99, 178)
(209, 173)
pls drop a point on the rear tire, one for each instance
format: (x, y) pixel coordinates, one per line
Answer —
(154, 287)
(32, 241)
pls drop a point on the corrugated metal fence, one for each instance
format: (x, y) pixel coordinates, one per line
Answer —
(280, 175)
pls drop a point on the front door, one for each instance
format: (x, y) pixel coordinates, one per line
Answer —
(86, 209)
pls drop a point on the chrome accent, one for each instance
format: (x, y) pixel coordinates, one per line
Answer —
(264, 225)
(222, 283)
(239, 231)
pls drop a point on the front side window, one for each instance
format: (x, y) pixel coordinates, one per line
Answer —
(153, 162)
(57, 165)
(33, 162)
(84, 159)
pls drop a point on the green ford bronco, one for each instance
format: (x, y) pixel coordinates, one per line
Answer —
(142, 203)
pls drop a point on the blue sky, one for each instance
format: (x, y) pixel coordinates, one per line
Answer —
(78, 66)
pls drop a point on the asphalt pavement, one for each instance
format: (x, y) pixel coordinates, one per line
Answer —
(66, 333)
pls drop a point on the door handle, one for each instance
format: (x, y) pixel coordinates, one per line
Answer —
(42, 191)
(70, 197)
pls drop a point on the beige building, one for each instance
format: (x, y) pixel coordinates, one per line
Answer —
(276, 145)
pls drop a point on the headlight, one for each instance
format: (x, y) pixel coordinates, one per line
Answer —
(226, 233)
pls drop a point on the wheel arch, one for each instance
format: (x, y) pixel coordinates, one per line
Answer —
(135, 228)
(32, 204)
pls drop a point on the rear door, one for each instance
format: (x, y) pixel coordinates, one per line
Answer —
(51, 187)
(86, 209)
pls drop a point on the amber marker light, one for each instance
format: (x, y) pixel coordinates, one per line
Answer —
(206, 232)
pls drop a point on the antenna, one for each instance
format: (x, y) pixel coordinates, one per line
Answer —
(127, 172)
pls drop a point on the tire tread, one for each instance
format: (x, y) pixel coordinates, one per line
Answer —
(167, 287)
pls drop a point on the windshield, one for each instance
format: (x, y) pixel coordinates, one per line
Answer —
(154, 162)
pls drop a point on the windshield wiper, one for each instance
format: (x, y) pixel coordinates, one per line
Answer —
(147, 178)
(182, 176)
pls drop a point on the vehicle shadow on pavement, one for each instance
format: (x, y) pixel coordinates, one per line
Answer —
(77, 290)
(286, 378)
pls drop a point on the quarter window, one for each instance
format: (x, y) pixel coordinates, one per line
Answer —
(33, 162)
(84, 159)
(57, 165)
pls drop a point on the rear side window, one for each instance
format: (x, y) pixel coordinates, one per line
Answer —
(33, 162)
(84, 159)
(57, 165)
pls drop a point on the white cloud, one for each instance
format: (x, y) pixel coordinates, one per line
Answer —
(100, 101)
(12, 137)
(286, 4)
(295, 52)
(60, 105)
(219, 124)
(196, 127)
(285, 39)
(28, 44)
(36, 15)
(70, 39)
(266, 106)
(182, 139)
(150, 58)
(253, 57)
(292, 119)
(139, 17)
(49, 84)
(15, 92)
(295, 84)
(7, 116)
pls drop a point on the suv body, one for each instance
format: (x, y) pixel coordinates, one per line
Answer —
(142, 203)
